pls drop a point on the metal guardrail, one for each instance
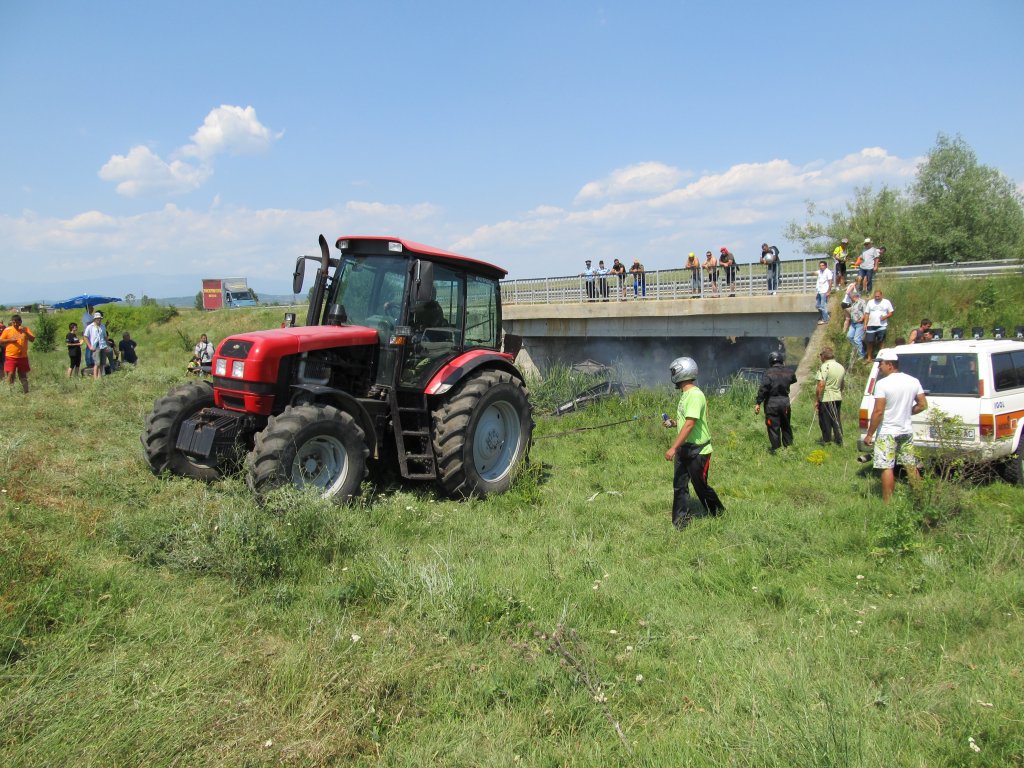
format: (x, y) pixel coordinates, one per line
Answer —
(795, 277)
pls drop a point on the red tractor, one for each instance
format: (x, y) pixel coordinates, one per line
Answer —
(399, 362)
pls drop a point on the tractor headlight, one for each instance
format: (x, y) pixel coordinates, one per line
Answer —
(237, 369)
(221, 368)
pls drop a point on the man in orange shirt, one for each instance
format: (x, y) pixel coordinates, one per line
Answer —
(14, 340)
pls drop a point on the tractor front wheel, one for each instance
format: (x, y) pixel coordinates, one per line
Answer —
(314, 446)
(481, 435)
(163, 424)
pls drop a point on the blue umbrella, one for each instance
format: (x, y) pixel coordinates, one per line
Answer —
(85, 300)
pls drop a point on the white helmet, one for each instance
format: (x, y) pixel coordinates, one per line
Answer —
(683, 369)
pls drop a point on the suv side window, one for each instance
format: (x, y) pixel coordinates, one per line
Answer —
(1008, 370)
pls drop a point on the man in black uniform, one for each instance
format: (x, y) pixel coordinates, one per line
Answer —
(774, 393)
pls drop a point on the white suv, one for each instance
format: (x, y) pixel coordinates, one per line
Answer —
(981, 382)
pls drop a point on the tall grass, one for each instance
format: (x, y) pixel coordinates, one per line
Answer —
(161, 621)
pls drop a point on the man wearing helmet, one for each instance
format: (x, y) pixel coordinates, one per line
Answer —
(774, 393)
(691, 450)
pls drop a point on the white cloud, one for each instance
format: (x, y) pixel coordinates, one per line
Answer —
(740, 207)
(229, 129)
(226, 129)
(141, 172)
(640, 179)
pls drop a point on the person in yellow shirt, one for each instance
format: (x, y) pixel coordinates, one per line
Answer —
(840, 254)
(14, 340)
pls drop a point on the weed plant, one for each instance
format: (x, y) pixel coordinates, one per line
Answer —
(161, 621)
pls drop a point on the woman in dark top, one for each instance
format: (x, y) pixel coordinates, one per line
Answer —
(74, 350)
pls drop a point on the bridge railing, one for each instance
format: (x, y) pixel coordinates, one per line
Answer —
(795, 277)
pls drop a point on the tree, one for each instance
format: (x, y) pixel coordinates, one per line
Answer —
(956, 210)
(129, 299)
(963, 211)
(198, 303)
(880, 216)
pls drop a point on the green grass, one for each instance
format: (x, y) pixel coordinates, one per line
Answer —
(160, 621)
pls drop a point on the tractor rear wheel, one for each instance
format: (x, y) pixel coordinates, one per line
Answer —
(481, 435)
(314, 446)
(163, 424)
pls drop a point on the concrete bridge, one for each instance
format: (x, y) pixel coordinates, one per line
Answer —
(666, 303)
(761, 316)
(641, 327)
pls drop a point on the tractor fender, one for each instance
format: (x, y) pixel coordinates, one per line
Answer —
(456, 369)
(343, 401)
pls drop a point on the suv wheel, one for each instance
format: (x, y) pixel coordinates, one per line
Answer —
(1013, 467)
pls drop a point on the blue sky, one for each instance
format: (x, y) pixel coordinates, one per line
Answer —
(145, 145)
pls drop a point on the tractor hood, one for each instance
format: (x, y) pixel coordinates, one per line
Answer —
(282, 342)
(252, 361)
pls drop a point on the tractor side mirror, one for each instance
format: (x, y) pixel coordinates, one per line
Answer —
(299, 274)
(423, 289)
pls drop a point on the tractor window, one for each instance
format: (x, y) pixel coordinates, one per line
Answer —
(370, 288)
(436, 325)
(481, 313)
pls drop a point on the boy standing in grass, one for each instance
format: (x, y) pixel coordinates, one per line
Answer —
(691, 450)
(14, 340)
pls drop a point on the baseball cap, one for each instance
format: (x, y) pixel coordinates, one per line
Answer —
(97, 315)
(867, 240)
(887, 356)
(845, 240)
(723, 249)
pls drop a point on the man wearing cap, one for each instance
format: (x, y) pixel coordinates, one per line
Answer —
(95, 336)
(728, 262)
(639, 279)
(898, 397)
(588, 276)
(868, 260)
(602, 280)
(840, 254)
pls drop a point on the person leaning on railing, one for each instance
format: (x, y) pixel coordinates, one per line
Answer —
(639, 279)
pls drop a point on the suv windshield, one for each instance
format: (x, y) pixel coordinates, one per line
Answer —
(370, 288)
(943, 374)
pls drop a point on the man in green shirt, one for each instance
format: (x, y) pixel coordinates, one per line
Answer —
(691, 450)
(829, 397)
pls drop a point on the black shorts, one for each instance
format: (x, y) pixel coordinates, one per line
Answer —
(875, 334)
